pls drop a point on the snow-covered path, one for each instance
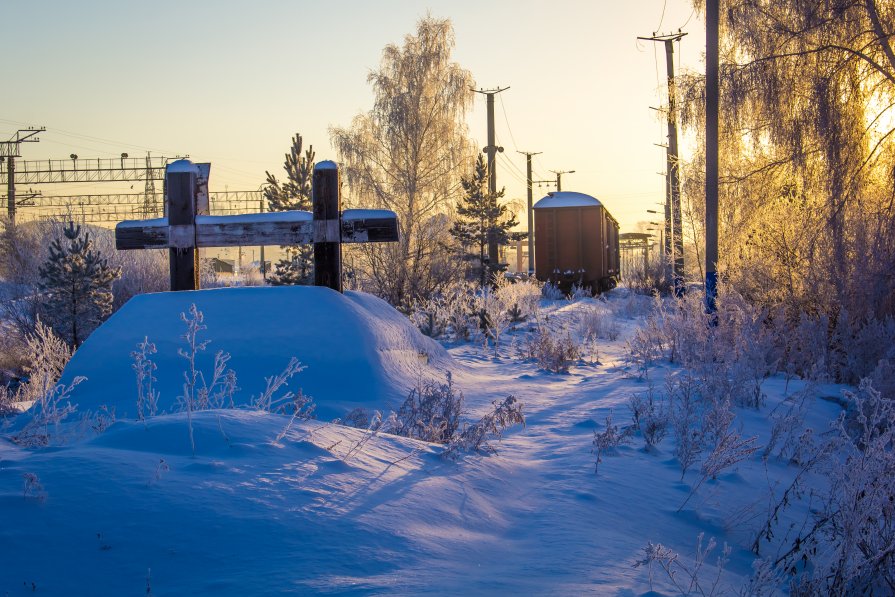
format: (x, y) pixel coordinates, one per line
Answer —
(315, 512)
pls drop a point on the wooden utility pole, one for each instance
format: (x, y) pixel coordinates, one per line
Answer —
(712, 20)
(559, 174)
(531, 230)
(491, 151)
(674, 243)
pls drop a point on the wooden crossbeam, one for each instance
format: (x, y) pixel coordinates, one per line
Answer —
(271, 228)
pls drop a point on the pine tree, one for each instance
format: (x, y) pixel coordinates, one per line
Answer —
(481, 218)
(293, 194)
(77, 281)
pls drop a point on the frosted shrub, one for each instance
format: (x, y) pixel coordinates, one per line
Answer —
(650, 418)
(521, 298)
(580, 292)
(147, 395)
(598, 323)
(551, 292)
(448, 313)
(429, 316)
(476, 437)
(687, 580)
(861, 345)
(431, 412)
(608, 440)
(552, 352)
(32, 487)
(494, 316)
(684, 417)
(50, 409)
(287, 403)
(849, 547)
(358, 418)
(47, 355)
(730, 450)
(7, 401)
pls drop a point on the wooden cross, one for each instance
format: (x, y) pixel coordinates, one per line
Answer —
(188, 227)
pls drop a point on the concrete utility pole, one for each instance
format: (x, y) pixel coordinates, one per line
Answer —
(10, 150)
(673, 183)
(491, 151)
(559, 174)
(531, 230)
(712, 19)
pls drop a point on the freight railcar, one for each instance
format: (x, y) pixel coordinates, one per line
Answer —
(576, 242)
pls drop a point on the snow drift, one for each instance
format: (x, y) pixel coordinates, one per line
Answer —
(357, 349)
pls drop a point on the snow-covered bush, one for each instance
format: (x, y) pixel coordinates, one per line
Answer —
(521, 297)
(32, 487)
(729, 450)
(448, 313)
(608, 440)
(553, 351)
(551, 292)
(197, 393)
(476, 437)
(50, 409)
(687, 579)
(650, 417)
(288, 403)
(147, 395)
(597, 322)
(431, 412)
(579, 292)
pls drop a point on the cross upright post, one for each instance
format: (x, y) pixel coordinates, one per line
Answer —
(181, 207)
(327, 226)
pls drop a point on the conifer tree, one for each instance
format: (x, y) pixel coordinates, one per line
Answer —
(481, 218)
(77, 281)
(293, 194)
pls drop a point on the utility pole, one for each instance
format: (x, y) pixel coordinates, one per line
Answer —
(491, 151)
(712, 19)
(531, 230)
(673, 183)
(10, 150)
(559, 174)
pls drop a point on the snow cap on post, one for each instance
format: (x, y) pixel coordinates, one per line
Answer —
(326, 165)
(181, 166)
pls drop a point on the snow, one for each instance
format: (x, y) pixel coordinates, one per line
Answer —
(326, 165)
(272, 216)
(566, 199)
(181, 166)
(253, 513)
(364, 214)
(357, 350)
(142, 223)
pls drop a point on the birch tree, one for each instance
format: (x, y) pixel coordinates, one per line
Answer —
(407, 154)
(807, 152)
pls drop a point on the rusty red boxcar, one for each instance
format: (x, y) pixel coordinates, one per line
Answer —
(576, 242)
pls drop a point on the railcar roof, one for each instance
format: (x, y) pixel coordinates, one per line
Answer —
(567, 199)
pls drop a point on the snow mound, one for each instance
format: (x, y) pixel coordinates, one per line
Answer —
(358, 350)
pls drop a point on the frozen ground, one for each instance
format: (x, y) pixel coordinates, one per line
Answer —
(131, 510)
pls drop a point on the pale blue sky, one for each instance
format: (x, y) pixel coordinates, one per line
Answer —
(230, 82)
